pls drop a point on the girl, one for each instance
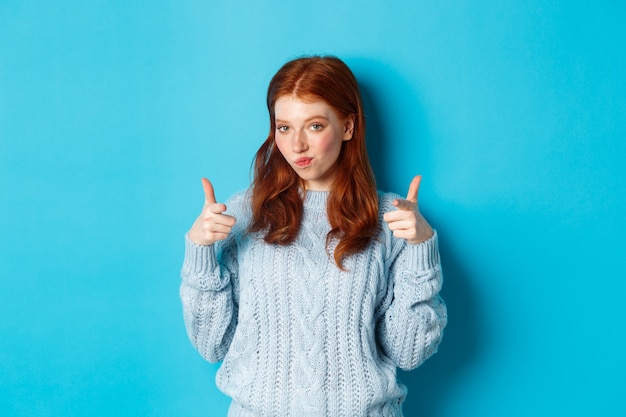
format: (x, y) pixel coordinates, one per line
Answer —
(311, 286)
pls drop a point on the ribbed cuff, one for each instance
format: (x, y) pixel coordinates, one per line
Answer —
(424, 256)
(200, 266)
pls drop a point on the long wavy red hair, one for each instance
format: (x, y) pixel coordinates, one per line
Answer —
(352, 206)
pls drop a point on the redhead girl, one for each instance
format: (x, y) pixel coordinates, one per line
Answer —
(312, 287)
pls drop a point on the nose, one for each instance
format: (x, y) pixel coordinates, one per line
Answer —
(298, 142)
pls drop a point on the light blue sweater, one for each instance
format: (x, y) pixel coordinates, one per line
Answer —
(298, 336)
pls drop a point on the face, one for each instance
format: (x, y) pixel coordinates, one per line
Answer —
(309, 135)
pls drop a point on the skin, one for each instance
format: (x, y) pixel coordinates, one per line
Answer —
(211, 225)
(309, 135)
(407, 222)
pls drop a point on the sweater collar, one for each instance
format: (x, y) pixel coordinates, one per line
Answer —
(315, 199)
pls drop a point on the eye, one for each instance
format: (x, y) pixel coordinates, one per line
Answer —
(317, 126)
(282, 128)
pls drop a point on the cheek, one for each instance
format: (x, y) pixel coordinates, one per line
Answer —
(282, 146)
(330, 144)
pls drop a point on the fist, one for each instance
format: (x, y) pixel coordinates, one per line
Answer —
(211, 225)
(407, 222)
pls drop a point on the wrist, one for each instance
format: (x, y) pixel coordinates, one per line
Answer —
(198, 239)
(422, 236)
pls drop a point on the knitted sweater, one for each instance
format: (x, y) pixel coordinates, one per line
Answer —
(298, 336)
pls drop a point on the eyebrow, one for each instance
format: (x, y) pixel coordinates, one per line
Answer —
(306, 121)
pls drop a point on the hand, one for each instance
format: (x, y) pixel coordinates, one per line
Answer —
(407, 222)
(211, 225)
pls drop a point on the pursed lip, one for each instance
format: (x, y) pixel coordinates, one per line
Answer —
(303, 162)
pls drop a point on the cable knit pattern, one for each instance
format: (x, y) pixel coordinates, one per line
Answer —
(298, 336)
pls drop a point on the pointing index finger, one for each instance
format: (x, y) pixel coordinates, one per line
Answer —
(402, 204)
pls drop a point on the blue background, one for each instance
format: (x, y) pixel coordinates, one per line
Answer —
(111, 111)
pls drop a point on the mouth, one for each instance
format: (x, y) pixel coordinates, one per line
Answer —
(303, 162)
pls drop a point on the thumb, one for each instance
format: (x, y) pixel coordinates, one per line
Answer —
(209, 193)
(413, 189)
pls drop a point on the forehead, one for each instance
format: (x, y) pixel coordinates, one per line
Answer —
(296, 107)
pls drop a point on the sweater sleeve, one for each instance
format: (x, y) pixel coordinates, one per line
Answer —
(209, 295)
(412, 313)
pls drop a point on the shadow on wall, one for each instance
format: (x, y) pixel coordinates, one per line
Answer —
(431, 386)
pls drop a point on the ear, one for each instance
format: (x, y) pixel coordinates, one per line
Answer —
(348, 127)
